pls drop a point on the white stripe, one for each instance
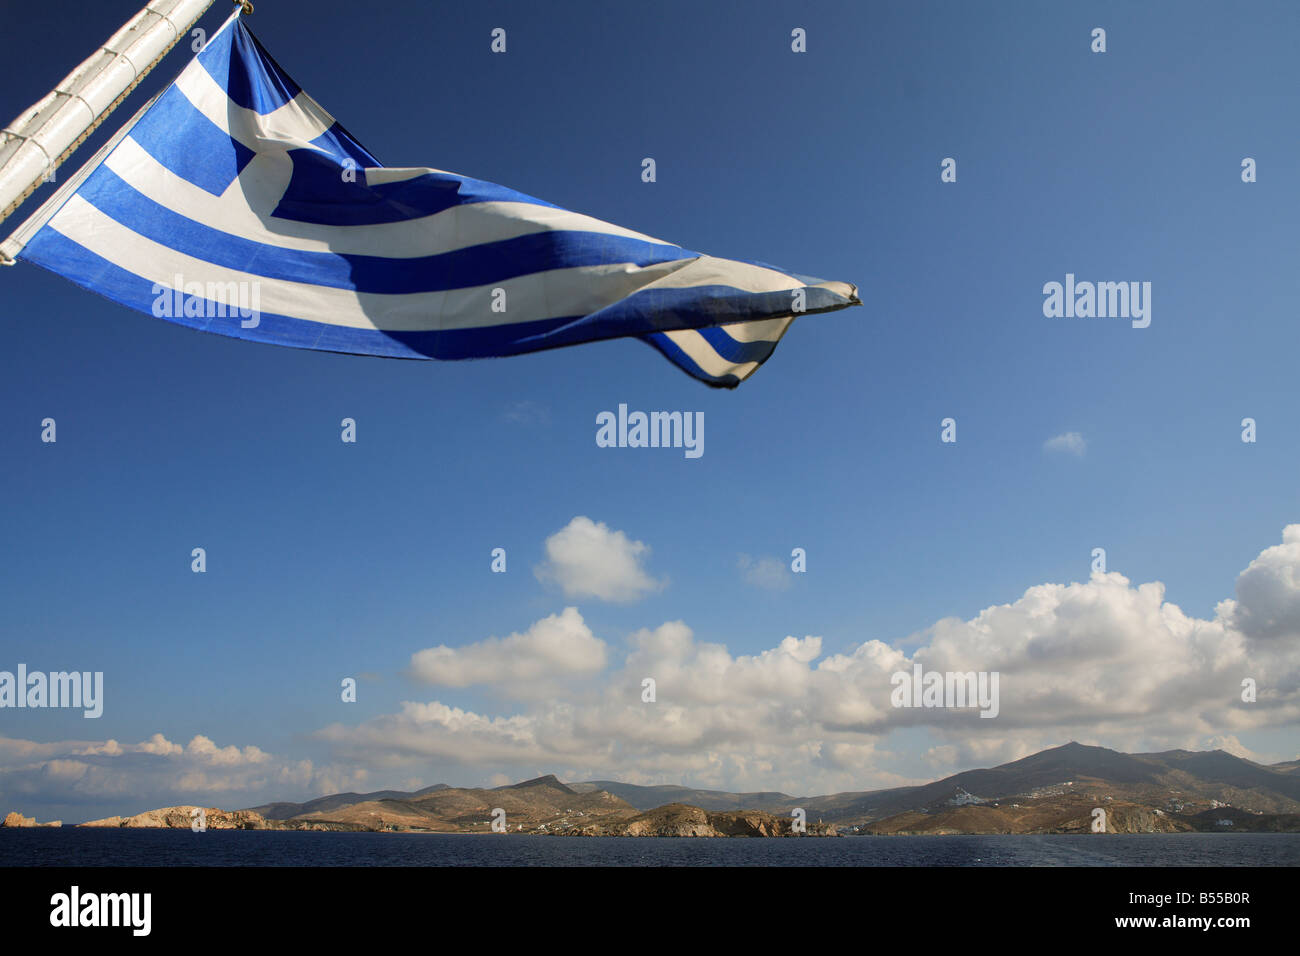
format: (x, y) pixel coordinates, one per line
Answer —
(761, 330)
(262, 183)
(710, 270)
(541, 295)
(702, 352)
(292, 126)
(706, 357)
(846, 289)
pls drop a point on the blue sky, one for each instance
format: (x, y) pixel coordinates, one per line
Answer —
(327, 560)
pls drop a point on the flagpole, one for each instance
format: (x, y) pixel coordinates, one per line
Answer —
(43, 136)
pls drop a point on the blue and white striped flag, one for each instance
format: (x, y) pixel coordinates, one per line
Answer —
(234, 204)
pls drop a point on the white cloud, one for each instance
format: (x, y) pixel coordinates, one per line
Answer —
(1103, 661)
(557, 646)
(1230, 744)
(203, 749)
(1068, 443)
(589, 560)
(770, 574)
(1268, 592)
(158, 744)
(527, 412)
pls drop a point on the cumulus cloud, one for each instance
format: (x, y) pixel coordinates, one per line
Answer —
(770, 574)
(1067, 443)
(1268, 592)
(557, 646)
(158, 744)
(1104, 661)
(719, 719)
(589, 560)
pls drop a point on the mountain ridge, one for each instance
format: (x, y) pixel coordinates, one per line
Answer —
(1057, 790)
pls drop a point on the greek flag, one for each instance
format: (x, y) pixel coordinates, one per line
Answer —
(234, 204)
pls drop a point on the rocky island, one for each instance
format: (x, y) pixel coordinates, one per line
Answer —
(16, 819)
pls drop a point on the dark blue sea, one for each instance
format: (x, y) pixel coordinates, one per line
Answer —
(97, 847)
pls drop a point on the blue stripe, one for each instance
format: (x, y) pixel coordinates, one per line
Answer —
(636, 315)
(664, 310)
(56, 252)
(462, 268)
(318, 193)
(734, 351)
(189, 144)
(674, 354)
(339, 143)
(241, 66)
